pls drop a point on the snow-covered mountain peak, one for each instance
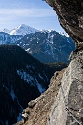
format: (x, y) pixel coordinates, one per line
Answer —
(23, 25)
(23, 30)
(5, 30)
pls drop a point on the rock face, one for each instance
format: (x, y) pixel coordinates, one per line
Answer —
(70, 13)
(70, 96)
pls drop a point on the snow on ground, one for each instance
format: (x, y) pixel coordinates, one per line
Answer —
(39, 86)
(31, 80)
(26, 77)
(12, 93)
(14, 96)
(19, 118)
(40, 76)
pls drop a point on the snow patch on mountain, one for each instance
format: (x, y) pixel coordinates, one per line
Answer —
(26, 77)
(63, 34)
(31, 80)
(12, 93)
(39, 86)
(15, 97)
(6, 122)
(19, 118)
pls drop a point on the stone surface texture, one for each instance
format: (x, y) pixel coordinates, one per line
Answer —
(70, 96)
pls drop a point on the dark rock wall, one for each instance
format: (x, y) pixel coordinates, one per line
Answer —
(70, 14)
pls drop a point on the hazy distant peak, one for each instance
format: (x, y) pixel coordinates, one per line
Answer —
(5, 30)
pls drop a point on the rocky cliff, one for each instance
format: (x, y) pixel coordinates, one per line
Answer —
(66, 107)
(70, 14)
(62, 103)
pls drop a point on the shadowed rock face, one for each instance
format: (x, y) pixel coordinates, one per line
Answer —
(70, 14)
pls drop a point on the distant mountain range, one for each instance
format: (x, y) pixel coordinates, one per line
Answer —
(6, 38)
(46, 46)
(20, 30)
(22, 79)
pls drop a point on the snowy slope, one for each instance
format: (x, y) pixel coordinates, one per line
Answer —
(23, 30)
(5, 38)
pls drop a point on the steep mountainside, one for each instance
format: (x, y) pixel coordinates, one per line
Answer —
(47, 46)
(5, 38)
(22, 79)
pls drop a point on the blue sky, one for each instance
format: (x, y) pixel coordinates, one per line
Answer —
(34, 13)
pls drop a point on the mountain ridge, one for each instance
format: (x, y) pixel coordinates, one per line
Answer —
(20, 30)
(47, 46)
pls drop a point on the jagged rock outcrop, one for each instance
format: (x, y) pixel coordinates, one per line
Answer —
(70, 14)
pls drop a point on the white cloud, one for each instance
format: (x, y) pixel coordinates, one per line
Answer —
(27, 12)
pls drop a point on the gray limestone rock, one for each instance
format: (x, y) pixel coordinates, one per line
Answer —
(65, 110)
